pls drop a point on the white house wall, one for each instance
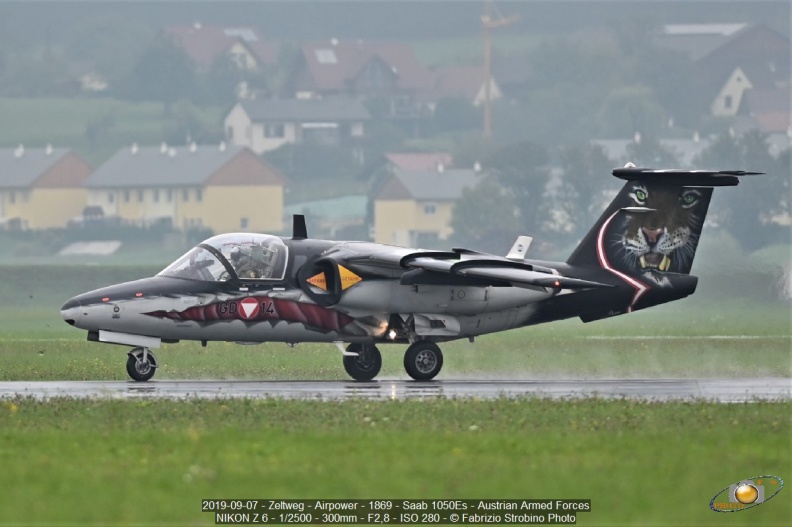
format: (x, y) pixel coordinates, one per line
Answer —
(237, 126)
(107, 199)
(728, 100)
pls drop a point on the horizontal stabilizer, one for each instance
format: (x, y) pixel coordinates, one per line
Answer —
(681, 177)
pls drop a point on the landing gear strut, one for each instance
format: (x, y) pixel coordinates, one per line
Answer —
(141, 364)
(366, 364)
(423, 360)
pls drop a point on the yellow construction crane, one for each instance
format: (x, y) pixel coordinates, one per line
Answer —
(488, 23)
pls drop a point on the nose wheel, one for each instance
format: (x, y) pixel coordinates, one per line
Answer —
(141, 364)
(423, 361)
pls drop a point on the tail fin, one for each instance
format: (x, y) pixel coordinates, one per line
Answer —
(653, 225)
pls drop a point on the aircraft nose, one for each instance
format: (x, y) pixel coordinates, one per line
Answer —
(70, 311)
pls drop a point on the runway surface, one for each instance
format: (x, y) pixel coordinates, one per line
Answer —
(721, 390)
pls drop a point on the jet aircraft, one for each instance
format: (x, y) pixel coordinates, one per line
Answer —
(252, 288)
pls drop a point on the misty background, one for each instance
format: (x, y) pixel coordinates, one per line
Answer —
(574, 75)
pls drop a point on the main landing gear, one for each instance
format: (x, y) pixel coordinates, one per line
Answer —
(422, 361)
(141, 364)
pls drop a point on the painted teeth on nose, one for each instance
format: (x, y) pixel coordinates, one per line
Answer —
(665, 263)
(643, 262)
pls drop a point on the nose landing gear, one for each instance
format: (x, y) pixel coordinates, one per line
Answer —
(141, 364)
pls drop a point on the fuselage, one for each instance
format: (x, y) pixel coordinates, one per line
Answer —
(177, 305)
(259, 288)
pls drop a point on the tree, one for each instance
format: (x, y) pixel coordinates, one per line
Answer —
(749, 213)
(221, 80)
(631, 109)
(585, 169)
(455, 113)
(164, 73)
(313, 163)
(485, 217)
(110, 43)
(521, 168)
(647, 151)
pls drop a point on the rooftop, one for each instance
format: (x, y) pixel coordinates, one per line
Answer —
(20, 167)
(420, 161)
(163, 166)
(428, 185)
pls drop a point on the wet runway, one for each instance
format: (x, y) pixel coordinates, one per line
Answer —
(721, 390)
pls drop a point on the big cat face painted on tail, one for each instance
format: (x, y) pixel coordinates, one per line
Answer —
(663, 236)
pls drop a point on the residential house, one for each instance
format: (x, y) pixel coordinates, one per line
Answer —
(465, 82)
(767, 110)
(205, 44)
(375, 70)
(265, 125)
(223, 188)
(414, 208)
(730, 60)
(40, 188)
(418, 161)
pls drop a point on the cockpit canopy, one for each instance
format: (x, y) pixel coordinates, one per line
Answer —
(230, 256)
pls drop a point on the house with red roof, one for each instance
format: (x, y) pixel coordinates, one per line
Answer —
(465, 82)
(205, 44)
(387, 71)
(733, 59)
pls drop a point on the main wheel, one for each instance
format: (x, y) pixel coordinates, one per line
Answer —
(423, 361)
(366, 365)
(141, 364)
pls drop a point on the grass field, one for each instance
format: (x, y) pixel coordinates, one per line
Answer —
(151, 462)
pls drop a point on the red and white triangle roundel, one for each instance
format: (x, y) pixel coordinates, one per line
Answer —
(249, 308)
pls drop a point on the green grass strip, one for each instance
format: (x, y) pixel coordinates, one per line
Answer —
(150, 462)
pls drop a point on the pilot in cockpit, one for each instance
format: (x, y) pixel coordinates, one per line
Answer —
(253, 261)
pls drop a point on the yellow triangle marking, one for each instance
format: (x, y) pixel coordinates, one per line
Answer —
(348, 278)
(318, 280)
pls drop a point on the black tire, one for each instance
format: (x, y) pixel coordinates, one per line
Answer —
(137, 369)
(423, 361)
(366, 365)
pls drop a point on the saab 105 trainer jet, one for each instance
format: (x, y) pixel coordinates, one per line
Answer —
(252, 288)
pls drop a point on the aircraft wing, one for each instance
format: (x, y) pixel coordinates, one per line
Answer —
(463, 265)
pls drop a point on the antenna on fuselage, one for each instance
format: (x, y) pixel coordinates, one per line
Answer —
(299, 230)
